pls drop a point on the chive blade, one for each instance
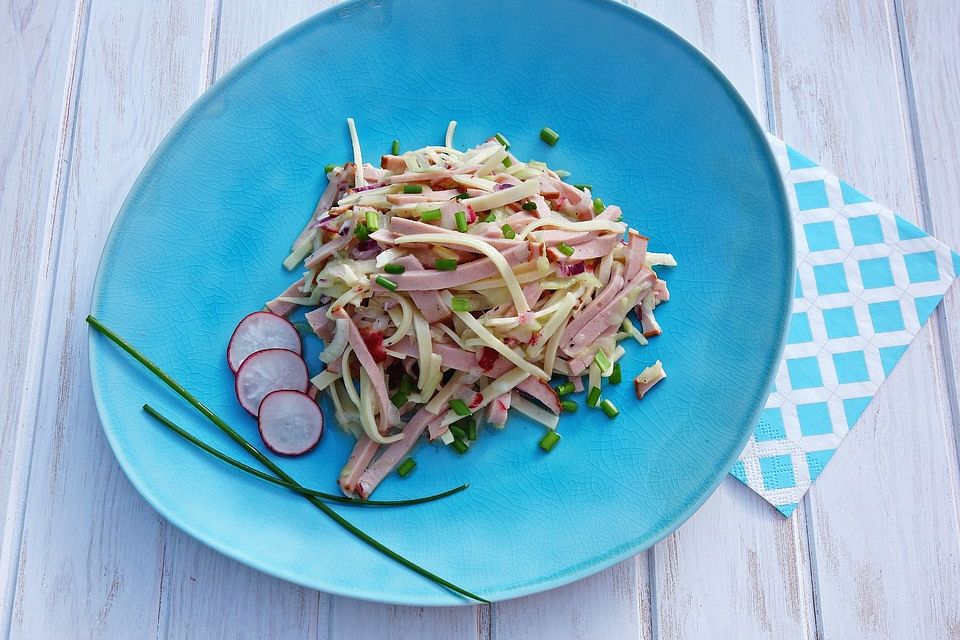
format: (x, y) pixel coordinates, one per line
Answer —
(570, 406)
(529, 206)
(430, 215)
(609, 408)
(395, 148)
(565, 389)
(386, 283)
(502, 140)
(593, 398)
(406, 467)
(617, 374)
(549, 441)
(236, 437)
(394, 269)
(413, 188)
(461, 304)
(565, 249)
(459, 407)
(445, 264)
(598, 205)
(508, 232)
(373, 221)
(549, 136)
(461, 219)
(186, 435)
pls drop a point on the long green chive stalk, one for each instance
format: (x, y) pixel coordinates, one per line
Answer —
(215, 419)
(189, 437)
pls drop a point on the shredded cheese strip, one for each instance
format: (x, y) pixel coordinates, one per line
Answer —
(463, 240)
(535, 413)
(358, 180)
(424, 347)
(448, 141)
(406, 319)
(367, 418)
(496, 199)
(569, 225)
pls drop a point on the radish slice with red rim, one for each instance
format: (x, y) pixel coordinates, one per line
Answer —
(258, 331)
(290, 423)
(266, 371)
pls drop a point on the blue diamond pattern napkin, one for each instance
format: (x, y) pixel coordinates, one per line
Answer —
(867, 280)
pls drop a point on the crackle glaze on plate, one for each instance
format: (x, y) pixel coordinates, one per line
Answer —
(642, 116)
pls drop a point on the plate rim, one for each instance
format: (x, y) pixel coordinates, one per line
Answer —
(557, 579)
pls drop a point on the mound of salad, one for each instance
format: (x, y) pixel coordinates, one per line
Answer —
(448, 286)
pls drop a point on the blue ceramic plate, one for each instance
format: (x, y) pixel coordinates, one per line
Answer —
(642, 116)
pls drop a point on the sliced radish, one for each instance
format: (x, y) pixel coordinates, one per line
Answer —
(290, 422)
(258, 331)
(266, 371)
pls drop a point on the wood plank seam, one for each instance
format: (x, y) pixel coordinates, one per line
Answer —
(39, 334)
(804, 514)
(941, 324)
(654, 600)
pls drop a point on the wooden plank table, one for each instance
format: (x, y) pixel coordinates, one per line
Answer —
(871, 88)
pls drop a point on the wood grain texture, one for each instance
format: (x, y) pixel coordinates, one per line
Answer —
(93, 88)
(928, 40)
(89, 562)
(883, 516)
(38, 72)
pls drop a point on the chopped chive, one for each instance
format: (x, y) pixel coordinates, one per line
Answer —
(565, 389)
(329, 168)
(461, 219)
(406, 384)
(472, 430)
(608, 408)
(529, 206)
(508, 232)
(459, 407)
(593, 398)
(617, 375)
(429, 215)
(373, 221)
(549, 440)
(565, 249)
(570, 406)
(395, 150)
(399, 399)
(619, 219)
(602, 360)
(583, 187)
(394, 269)
(362, 232)
(458, 432)
(407, 465)
(598, 205)
(492, 217)
(386, 283)
(462, 196)
(507, 162)
(413, 188)
(502, 140)
(445, 264)
(549, 136)
(461, 305)
(460, 446)
(277, 471)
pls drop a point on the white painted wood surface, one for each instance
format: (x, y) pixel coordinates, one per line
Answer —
(88, 89)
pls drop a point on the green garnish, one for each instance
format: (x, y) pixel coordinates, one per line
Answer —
(362, 233)
(617, 375)
(593, 398)
(461, 448)
(461, 304)
(565, 389)
(430, 215)
(461, 219)
(549, 136)
(491, 217)
(502, 140)
(549, 440)
(386, 283)
(314, 500)
(413, 188)
(565, 249)
(529, 206)
(395, 148)
(329, 168)
(459, 407)
(461, 196)
(296, 488)
(445, 264)
(399, 399)
(394, 269)
(406, 467)
(406, 384)
(608, 408)
(598, 205)
(570, 406)
(583, 187)
(458, 432)
(508, 232)
(507, 162)
(602, 360)
(373, 221)
(471, 429)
